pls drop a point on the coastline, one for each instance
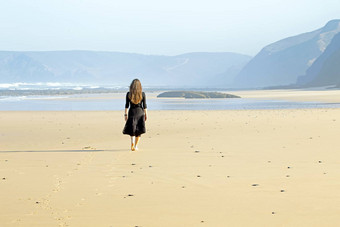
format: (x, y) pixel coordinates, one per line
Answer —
(303, 95)
(256, 99)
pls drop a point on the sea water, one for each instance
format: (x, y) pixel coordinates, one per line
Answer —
(99, 102)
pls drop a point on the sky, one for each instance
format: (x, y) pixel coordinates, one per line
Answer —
(158, 27)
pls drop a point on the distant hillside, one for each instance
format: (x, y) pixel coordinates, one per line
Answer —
(282, 62)
(193, 69)
(195, 95)
(326, 69)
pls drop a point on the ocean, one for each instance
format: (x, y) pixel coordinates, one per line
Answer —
(116, 101)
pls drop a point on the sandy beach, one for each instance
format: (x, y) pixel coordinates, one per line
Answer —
(193, 168)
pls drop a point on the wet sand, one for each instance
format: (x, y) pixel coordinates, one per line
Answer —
(302, 95)
(193, 168)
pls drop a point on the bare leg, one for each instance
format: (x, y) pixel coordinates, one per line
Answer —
(137, 141)
(132, 143)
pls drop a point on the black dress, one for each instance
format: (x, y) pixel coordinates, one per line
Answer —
(135, 124)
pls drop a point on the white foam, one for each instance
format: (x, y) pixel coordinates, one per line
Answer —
(54, 85)
(13, 85)
(12, 98)
(45, 97)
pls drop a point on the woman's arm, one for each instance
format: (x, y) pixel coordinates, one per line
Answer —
(127, 102)
(145, 106)
(126, 114)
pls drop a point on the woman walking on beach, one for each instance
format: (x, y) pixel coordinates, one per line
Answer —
(136, 115)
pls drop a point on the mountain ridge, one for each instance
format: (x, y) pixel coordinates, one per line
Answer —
(117, 67)
(325, 71)
(282, 62)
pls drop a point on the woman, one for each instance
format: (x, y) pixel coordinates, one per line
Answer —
(136, 116)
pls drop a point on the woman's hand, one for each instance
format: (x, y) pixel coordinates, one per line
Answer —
(145, 114)
(126, 114)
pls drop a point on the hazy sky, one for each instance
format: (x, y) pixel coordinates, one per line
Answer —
(158, 27)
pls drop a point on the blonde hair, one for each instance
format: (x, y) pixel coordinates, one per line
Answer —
(135, 94)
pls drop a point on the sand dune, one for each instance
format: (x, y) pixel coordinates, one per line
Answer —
(194, 168)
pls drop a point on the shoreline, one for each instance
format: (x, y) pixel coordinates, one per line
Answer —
(290, 94)
(265, 99)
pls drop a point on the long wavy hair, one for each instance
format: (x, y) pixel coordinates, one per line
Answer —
(135, 94)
